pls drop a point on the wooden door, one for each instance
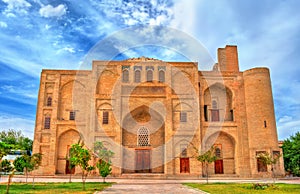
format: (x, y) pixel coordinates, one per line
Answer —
(219, 167)
(184, 165)
(215, 115)
(69, 171)
(143, 161)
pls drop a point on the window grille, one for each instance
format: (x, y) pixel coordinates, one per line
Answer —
(47, 122)
(183, 150)
(72, 115)
(143, 137)
(218, 152)
(105, 117)
(183, 117)
(214, 104)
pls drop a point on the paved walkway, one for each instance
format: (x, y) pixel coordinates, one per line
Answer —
(147, 188)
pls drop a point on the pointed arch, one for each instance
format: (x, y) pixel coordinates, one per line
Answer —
(67, 99)
(64, 143)
(106, 82)
(218, 103)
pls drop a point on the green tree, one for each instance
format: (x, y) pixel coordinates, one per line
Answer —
(291, 154)
(104, 159)
(268, 160)
(79, 156)
(28, 163)
(4, 149)
(16, 140)
(206, 157)
(5, 166)
(104, 168)
(19, 164)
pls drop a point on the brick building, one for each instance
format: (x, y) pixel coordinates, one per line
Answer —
(156, 115)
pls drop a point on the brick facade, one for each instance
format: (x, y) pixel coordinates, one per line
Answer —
(155, 115)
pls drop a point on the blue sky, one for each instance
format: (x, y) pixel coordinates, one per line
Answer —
(58, 34)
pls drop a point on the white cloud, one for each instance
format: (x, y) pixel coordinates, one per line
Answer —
(131, 22)
(66, 49)
(3, 25)
(184, 15)
(19, 6)
(50, 11)
(287, 128)
(27, 92)
(17, 123)
(16, 3)
(285, 119)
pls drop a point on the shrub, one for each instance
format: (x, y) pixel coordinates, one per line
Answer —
(263, 186)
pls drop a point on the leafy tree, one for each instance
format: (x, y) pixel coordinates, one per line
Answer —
(19, 164)
(28, 163)
(291, 154)
(104, 162)
(5, 166)
(4, 149)
(79, 156)
(268, 160)
(206, 158)
(16, 140)
(104, 168)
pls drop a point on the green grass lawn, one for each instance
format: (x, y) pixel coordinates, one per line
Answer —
(242, 188)
(54, 187)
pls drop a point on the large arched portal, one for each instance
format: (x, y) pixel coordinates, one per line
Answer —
(143, 135)
(224, 145)
(65, 141)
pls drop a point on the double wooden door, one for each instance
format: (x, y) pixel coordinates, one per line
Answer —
(184, 165)
(219, 167)
(142, 161)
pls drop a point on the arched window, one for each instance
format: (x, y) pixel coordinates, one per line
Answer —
(49, 101)
(149, 75)
(143, 137)
(218, 152)
(125, 76)
(47, 122)
(161, 76)
(137, 76)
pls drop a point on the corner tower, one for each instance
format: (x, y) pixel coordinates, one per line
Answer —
(260, 113)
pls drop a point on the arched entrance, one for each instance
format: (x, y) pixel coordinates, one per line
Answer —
(224, 147)
(143, 141)
(65, 141)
